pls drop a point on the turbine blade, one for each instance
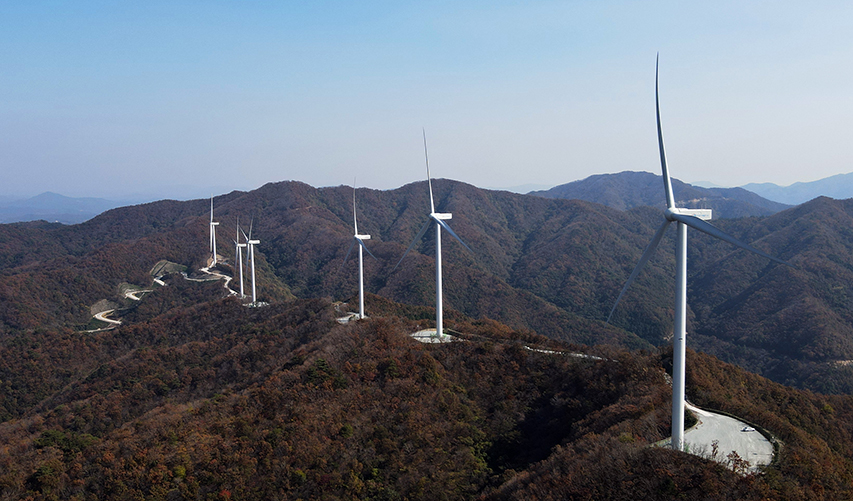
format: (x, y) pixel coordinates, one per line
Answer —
(705, 227)
(429, 180)
(251, 223)
(354, 219)
(364, 246)
(667, 182)
(417, 237)
(450, 230)
(650, 249)
(347, 256)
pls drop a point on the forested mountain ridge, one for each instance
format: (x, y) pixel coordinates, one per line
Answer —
(627, 190)
(197, 396)
(551, 266)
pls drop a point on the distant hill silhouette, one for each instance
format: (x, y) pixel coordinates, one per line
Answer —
(53, 207)
(839, 187)
(628, 189)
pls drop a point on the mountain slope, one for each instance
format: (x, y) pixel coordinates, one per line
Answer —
(627, 190)
(220, 401)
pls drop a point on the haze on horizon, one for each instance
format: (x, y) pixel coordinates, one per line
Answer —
(115, 100)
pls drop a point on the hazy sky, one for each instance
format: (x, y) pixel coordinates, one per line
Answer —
(114, 98)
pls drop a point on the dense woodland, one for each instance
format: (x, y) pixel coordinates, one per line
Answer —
(220, 401)
(198, 397)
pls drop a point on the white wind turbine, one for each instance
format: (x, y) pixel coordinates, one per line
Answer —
(438, 218)
(252, 243)
(694, 218)
(239, 254)
(358, 239)
(213, 225)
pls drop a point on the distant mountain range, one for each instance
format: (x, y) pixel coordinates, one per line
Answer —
(623, 191)
(627, 190)
(839, 187)
(53, 207)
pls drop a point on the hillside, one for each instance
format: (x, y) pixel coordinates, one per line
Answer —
(627, 190)
(549, 266)
(224, 402)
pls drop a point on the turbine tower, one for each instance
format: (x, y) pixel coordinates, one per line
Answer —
(358, 239)
(239, 254)
(213, 225)
(252, 243)
(439, 218)
(694, 218)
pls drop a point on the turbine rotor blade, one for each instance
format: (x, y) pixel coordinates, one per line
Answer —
(429, 180)
(450, 230)
(667, 182)
(650, 249)
(354, 219)
(705, 227)
(347, 256)
(417, 237)
(364, 246)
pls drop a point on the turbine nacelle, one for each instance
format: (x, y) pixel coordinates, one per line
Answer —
(253, 242)
(362, 237)
(703, 214)
(444, 216)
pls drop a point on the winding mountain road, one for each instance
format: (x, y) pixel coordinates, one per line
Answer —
(102, 316)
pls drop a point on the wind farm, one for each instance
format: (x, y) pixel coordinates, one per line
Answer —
(534, 369)
(508, 329)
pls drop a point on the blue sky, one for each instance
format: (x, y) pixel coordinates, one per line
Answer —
(118, 98)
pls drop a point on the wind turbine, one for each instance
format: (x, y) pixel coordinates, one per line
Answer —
(439, 218)
(359, 239)
(694, 218)
(239, 254)
(252, 243)
(213, 225)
